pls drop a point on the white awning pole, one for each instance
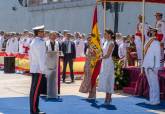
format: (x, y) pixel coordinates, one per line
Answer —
(143, 27)
(104, 12)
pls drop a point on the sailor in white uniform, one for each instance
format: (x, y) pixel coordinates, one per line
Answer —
(1, 39)
(12, 44)
(138, 38)
(79, 43)
(151, 65)
(26, 43)
(160, 25)
(22, 42)
(37, 56)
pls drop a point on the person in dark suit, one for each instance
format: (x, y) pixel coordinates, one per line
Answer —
(69, 51)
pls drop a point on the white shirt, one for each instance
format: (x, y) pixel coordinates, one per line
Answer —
(12, 45)
(22, 41)
(69, 46)
(27, 42)
(160, 25)
(1, 42)
(146, 28)
(119, 42)
(37, 56)
(152, 57)
(122, 50)
(79, 44)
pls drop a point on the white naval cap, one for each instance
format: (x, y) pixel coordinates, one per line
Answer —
(153, 28)
(69, 33)
(54, 32)
(25, 30)
(66, 31)
(47, 31)
(38, 27)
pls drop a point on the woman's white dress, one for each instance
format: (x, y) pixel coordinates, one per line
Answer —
(106, 77)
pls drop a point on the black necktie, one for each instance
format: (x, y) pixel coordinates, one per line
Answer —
(52, 45)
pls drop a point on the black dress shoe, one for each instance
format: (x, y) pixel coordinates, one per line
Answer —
(72, 81)
(63, 81)
(41, 113)
(38, 113)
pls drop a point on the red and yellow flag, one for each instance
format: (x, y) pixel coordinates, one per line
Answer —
(95, 63)
(151, 1)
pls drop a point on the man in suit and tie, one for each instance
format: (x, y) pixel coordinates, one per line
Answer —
(69, 51)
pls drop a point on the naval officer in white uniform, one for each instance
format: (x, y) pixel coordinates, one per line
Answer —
(138, 38)
(37, 56)
(151, 65)
(160, 25)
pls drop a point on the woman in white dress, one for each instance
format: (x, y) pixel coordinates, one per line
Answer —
(106, 77)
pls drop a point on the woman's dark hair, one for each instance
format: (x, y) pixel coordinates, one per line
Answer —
(115, 51)
(110, 32)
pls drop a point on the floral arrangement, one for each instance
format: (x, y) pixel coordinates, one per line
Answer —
(121, 79)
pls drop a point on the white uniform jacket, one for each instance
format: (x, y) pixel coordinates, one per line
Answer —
(152, 56)
(12, 45)
(1, 42)
(21, 44)
(160, 25)
(37, 56)
(80, 44)
(140, 29)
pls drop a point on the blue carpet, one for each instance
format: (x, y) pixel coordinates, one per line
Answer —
(157, 107)
(76, 105)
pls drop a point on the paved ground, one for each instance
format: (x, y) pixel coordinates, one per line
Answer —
(17, 86)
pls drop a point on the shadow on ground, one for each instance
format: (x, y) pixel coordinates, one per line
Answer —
(78, 105)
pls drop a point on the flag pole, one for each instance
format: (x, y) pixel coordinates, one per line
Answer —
(143, 23)
(104, 11)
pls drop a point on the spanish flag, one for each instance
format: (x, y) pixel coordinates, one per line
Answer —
(151, 1)
(95, 63)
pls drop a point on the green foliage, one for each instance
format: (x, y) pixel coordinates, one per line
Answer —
(120, 79)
